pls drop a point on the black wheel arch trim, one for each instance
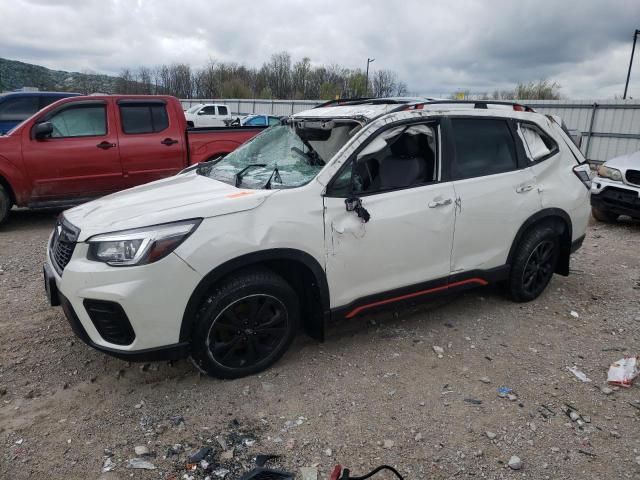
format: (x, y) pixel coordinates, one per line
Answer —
(314, 326)
(547, 214)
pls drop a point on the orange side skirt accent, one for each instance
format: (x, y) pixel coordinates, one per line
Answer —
(357, 310)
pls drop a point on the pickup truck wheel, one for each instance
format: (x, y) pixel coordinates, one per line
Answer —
(534, 264)
(245, 325)
(604, 215)
(5, 205)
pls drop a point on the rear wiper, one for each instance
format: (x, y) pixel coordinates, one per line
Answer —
(238, 176)
(275, 175)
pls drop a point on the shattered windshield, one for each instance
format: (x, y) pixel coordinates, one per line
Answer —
(283, 156)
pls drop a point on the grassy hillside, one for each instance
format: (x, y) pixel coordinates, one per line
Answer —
(14, 74)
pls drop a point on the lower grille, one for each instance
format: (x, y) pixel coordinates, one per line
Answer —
(619, 197)
(633, 177)
(110, 321)
(63, 243)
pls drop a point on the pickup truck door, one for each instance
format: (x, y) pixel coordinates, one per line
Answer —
(80, 159)
(403, 249)
(207, 117)
(152, 142)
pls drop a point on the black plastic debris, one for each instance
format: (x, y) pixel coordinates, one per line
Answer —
(200, 455)
(267, 474)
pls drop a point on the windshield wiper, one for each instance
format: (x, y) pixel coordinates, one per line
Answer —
(238, 176)
(274, 175)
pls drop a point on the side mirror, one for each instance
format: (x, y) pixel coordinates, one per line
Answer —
(42, 130)
(354, 204)
(201, 112)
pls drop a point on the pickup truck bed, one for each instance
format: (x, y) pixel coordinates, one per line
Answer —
(84, 147)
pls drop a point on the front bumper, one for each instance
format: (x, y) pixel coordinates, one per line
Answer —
(151, 298)
(616, 197)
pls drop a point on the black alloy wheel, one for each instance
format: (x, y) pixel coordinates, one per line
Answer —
(534, 263)
(244, 324)
(248, 331)
(539, 267)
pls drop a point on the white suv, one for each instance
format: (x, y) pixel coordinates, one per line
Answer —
(616, 189)
(339, 211)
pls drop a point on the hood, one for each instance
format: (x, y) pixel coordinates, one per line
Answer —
(631, 160)
(180, 197)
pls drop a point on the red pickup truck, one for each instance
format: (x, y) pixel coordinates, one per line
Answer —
(80, 148)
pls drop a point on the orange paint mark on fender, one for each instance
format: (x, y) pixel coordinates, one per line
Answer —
(240, 194)
(357, 310)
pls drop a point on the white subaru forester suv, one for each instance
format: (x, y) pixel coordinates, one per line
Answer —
(339, 211)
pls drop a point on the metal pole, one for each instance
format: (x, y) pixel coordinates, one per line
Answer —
(369, 60)
(590, 134)
(633, 49)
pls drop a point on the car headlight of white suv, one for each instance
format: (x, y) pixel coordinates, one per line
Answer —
(141, 245)
(610, 173)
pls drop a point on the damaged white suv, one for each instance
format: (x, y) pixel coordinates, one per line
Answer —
(339, 211)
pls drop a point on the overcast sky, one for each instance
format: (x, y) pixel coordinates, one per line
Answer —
(434, 46)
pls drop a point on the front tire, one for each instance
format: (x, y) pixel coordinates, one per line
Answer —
(245, 325)
(5, 205)
(604, 215)
(534, 264)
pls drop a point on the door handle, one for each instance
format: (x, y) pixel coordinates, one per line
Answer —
(524, 188)
(440, 203)
(168, 141)
(105, 145)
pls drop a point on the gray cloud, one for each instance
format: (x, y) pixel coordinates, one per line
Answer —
(436, 47)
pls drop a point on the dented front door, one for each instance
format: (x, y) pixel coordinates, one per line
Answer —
(406, 241)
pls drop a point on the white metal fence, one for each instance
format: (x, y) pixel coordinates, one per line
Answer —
(609, 127)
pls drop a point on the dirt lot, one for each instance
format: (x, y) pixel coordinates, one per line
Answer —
(375, 392)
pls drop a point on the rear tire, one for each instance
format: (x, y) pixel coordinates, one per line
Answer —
(245, 325)
(5, 204)
(534, 264)
(604, 215)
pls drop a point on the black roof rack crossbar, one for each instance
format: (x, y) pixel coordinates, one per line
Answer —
(362, 101)
(476, 103)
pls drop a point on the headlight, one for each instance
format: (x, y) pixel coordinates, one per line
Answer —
(141, 245)
(610, 173)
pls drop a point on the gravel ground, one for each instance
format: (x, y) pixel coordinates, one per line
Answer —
(375, 392)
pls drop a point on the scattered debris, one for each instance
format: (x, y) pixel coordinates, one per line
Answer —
(328, 452)
(490, 435)
(575, 314)
(221, 472)
(515, 463)
(199, 455)
(108, 465)
(262, 459)
(578, 374)
(438, 350)
(606, 390)
(473, 401)
(504, 391)
(141, 450)
(623, 372)
(388, 444)
(586, 452)
(138, 406)
(140, 464)
(485, 379)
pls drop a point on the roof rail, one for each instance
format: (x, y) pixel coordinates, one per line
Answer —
(361, 101)
(476, 104)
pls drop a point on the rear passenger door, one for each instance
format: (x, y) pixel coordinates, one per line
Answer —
(495, 192)
(151, 141)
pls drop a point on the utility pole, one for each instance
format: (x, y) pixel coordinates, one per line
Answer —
(371, 60)
(633, 49)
